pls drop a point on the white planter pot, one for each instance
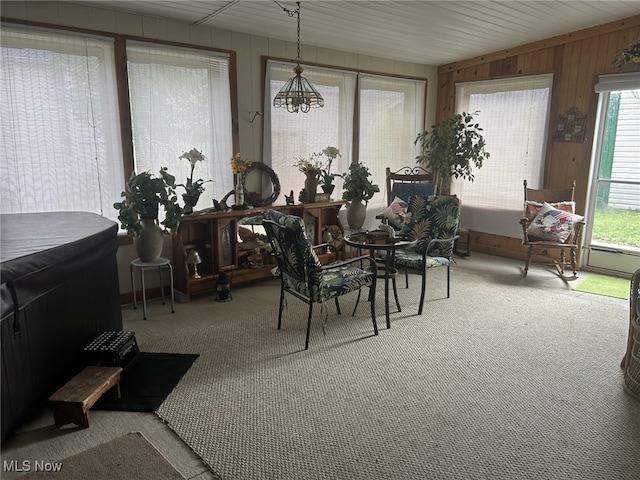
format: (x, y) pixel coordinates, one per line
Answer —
(149, 242)
(356, 213)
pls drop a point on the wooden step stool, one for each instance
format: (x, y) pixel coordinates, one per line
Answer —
(71, 403)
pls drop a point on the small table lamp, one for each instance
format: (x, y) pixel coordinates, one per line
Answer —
(194, 259)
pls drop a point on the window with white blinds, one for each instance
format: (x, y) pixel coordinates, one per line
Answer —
(180, 99)
(514, 116)
(291, 135)
(391, 113)
(60, 134)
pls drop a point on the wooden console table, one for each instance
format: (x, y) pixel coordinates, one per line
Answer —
(214, 235)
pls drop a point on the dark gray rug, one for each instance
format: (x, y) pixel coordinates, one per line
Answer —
(148, 382)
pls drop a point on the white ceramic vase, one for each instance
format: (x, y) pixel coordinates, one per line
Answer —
(149, 241)
(356, 213)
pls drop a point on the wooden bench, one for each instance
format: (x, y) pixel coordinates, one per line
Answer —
(71, 403)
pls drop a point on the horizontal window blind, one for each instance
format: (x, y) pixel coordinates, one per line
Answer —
(180, 99)
(514, 116)
(391, 115)
(291, 135)
(61, 147)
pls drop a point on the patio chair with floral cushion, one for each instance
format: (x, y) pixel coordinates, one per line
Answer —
(303, 276)
(433, 221)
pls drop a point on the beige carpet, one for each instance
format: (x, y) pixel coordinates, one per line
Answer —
(509, 378)
(125, 458)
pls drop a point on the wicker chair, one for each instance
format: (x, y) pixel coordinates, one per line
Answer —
(631, 360)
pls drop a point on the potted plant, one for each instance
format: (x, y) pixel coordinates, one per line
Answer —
(193, 189)
(326, 177)
(452, 148)
(311, 167)
(138, 212)
(356, 189)
(631, 54)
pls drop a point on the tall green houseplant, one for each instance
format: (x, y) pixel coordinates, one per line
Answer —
(452, 148)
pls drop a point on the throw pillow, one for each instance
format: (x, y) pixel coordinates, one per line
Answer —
(553, 224)
(532, 208)
(396, 213)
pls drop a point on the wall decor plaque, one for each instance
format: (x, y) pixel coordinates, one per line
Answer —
(571, 126)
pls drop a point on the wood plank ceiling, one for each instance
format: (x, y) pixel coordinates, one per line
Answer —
(431, 32)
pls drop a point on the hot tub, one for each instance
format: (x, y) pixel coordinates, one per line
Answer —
(59, 290)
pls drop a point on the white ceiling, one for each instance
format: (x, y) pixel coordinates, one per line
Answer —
(430, 32)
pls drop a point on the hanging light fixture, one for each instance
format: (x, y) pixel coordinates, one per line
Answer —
(298, 94)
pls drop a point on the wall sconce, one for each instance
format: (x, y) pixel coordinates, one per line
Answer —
(194, 259)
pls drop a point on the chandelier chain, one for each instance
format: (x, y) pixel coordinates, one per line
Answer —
(298, 10)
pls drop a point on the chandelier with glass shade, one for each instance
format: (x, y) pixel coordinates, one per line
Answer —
(298, 94)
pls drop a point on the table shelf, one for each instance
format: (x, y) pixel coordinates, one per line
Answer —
(215, 236)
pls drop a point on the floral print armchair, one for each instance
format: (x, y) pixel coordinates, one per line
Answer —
(433, 221)
(302, 274)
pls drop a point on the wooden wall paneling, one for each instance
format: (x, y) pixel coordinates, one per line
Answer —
(576, 59)
(446, 96)
(558, 58)
(525, 63)
(609, 43)
(504, 67)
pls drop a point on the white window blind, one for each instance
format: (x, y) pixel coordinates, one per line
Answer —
(180, 99)
(391, 115)
(514, 115)
(290, 135)
(617, 82)
(60, 135)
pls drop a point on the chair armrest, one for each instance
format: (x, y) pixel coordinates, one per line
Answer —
(361, 258)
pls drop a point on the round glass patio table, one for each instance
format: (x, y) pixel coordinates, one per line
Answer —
(388, 269)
